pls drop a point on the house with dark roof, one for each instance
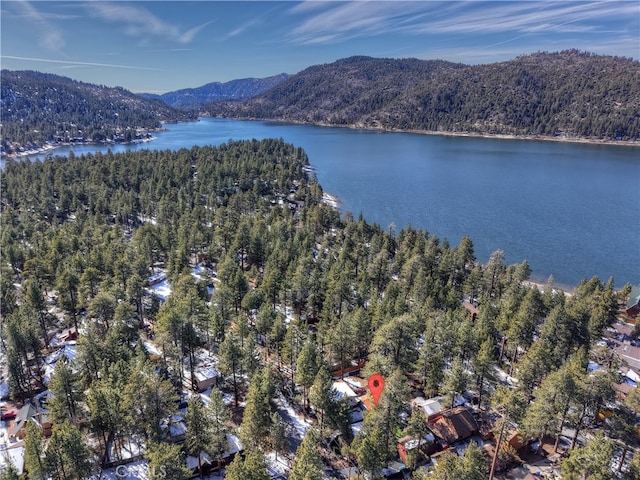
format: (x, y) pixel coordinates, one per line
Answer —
(453, 425)
(632, 308)
(30, 411)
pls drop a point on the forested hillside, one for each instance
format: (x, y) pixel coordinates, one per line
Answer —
(298, 292)
(197, 98)
(570, 94)
(39, 108)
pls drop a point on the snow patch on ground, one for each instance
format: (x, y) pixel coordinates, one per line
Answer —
(296, 421)
(277, 467)
(505, 377)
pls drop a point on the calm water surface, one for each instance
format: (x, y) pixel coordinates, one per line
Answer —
(570, 210)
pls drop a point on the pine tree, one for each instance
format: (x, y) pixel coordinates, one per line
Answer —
(166, 461)
(67, 287)
(148, 399)
(34, 454)
(218, 416)
(199, 432)
(34, 299)
(471, 466)
(279, 441)
(66, 393)
(456, 380)
(483, 360)
(591, 461)
(257, 413)
(322, 396)
(9, 472)
(307, 366)
(67, 457)
(253, 467)
(369, 446)
(430, 367)
(230, 357)
(307, 464)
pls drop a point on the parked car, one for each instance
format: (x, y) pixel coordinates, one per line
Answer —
(8, 415)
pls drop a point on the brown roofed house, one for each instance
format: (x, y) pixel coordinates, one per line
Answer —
(454, 425)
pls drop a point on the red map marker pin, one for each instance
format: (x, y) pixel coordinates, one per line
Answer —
(376, 386)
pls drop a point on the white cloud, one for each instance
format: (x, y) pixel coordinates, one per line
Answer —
(334, 22)
(71, 63)
(527, 17)
(190, 34)
(244, 27)
(341, 21)
(50, 37)
(140, 22)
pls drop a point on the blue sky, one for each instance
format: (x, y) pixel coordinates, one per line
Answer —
(168, 45)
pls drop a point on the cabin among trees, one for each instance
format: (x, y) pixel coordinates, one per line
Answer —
(632, 307)
(299, 293)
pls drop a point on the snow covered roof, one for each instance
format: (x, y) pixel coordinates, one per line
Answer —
(234, 445)
(162, 290)
(67, 350)
(430, 407)
(156, 277)
(412, 442)
(151, 348)
(177, 426)
(205, 372)
(344, 390)
(192, 462)
(632, 375)
(392, 468)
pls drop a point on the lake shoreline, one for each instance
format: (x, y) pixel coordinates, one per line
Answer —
(536, 208)
(543, 138)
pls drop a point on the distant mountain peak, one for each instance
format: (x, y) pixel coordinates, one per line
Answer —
(233, 90)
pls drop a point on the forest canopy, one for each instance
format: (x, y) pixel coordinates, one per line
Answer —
(300, 292)
(40, 108)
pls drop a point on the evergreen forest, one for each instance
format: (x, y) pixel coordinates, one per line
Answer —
(40, 108)
(301, 294)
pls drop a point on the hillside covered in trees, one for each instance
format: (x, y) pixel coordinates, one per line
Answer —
(197, 98)
(39, 108)
(569, 94)
(278, 291)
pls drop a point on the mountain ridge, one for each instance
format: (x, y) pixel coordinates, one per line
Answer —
(43, 108)
(238, 89)
(566, 94)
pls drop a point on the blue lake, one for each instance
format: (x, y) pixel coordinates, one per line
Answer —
(571, 210)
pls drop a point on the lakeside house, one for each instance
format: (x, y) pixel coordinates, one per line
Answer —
(624, 345)
(632, 308)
